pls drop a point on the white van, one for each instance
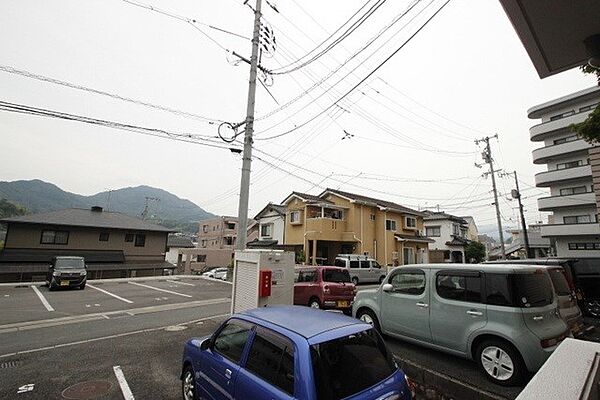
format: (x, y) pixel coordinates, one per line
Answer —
(362, 268)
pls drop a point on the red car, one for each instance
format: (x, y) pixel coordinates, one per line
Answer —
(324, 287)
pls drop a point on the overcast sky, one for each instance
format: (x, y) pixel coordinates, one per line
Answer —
(463, 76)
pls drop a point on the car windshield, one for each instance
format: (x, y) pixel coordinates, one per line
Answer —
(561, 287)
(532, 290)
(350, 364)
(336, 275)
(69, 263)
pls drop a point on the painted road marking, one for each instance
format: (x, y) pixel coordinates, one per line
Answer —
(42, 298)
(160, 290)
(181, 283)
(109, 293)
(26, 388)
(127, 395)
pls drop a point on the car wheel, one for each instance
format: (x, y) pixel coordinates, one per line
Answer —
(369, 317)
(188, 385)
(501, 362)
(355, 281)
(82, 286)
(52, 286)
(314, 303)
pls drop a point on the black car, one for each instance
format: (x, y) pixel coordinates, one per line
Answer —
(67, 272)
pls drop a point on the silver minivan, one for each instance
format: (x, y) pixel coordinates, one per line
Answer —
(504, 317)
(362, 268)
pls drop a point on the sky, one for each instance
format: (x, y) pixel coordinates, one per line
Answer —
(406, 134)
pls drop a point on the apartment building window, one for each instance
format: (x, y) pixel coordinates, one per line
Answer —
(573, 190)
(103, 237)
(266, 230)
(229, 241)
(201, 258)
(390, 225)
(203, 243)
(372, 217)
(577, 219)
(231, 225)
(584, 246)
(563, 115)
(410, 222)
(140, 240)
(570, 164)
(567, 139)
(54, 237)
(433, 231)
(214, 228)
(588, 108)
(204, 228)
(129, 237)
(295, 217)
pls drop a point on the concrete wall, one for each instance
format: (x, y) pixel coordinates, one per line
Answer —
(28, 236)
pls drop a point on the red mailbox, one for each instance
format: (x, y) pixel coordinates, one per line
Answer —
(264, 282)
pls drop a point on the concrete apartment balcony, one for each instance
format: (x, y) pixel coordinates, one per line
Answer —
(574, 200)
(538, 133)
(549, 178)
(325, 229)
(589, 229)
(545, 154)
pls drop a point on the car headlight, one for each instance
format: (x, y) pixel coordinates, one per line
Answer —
(83, 273)
(56, 273)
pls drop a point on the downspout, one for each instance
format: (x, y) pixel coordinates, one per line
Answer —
(385, 237)
(362, 250)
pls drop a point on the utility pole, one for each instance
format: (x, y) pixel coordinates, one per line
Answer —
(242, 231)
(487, 157)
(147, 199)
(516, 194)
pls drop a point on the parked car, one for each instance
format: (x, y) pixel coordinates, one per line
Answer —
(502, 316)
(324, 287)
(291, 352)
(564, 292)
(217, 273)
(362, 268)
(66, 272)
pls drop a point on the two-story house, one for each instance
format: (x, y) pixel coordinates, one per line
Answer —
(337, 222)
(270, 227)
(450, 235)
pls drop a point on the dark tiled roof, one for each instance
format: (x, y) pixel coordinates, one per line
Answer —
(309, 198)
(435, 215)
(379, 202)
(279, 209)
(456, 241)
(179, 241)
(422, 239)
(88, 218)
(261, 243)
(45, 255)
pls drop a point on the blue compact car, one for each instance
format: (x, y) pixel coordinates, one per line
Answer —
(292, 352)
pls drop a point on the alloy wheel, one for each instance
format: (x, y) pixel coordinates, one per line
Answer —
(497, 363)
(314, 304)
(188, 386)
(366, 318)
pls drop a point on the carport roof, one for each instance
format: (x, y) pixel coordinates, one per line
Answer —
(88, 218)
(553, 32)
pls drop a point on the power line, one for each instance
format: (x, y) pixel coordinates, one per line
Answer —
(31, 75)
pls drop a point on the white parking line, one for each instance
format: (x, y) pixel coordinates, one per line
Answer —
(160, 290)
(127, 395)
(109, 293)
(42, 298)
(181, 283)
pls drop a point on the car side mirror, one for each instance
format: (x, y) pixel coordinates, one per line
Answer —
(205, 345)
(387, 287)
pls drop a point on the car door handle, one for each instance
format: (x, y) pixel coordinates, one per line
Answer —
(476, 313)
(538, 318)
(422, 305)
(228, 373)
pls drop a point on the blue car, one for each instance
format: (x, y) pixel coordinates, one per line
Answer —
(292, 352)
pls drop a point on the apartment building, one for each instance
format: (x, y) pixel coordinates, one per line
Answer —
(337, 222)
(573, 227)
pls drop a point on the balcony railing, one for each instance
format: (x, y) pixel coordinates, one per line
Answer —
(544, 154)
(537, 132)
(553, 202)
(587, 229)
(548, 178)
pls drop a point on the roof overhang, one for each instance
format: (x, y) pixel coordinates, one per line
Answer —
(415, 239)
(553, 32)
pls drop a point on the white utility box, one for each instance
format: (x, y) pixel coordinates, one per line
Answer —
(277, 266)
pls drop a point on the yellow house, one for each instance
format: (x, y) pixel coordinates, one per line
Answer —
(337, 222)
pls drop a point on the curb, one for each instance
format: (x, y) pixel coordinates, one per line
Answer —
(136, 279)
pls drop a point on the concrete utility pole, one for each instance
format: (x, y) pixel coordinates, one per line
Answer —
(516, 194)
(487, 157)
(242, 232)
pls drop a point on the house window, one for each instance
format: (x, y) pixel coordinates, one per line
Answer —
(203, 243)
(103, 237)
(295, 217)
(129, 237)
(140, 240)
(390, 225)
(201, 258)
(456, 229)
(566, 139)
(229, 241)
(54, 237)
(411, 222)
(570, 164)
(577, 219)
(372, 217)
(204, 228)
(433, 231)
(573, 190)
(584, 246)
(266, 230)
(231, 225)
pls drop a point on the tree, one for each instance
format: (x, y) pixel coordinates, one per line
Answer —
(475, 251)
(590, 128)
(300, 257)
(8, 209)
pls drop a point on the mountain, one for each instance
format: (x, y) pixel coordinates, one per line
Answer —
(39, 196)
